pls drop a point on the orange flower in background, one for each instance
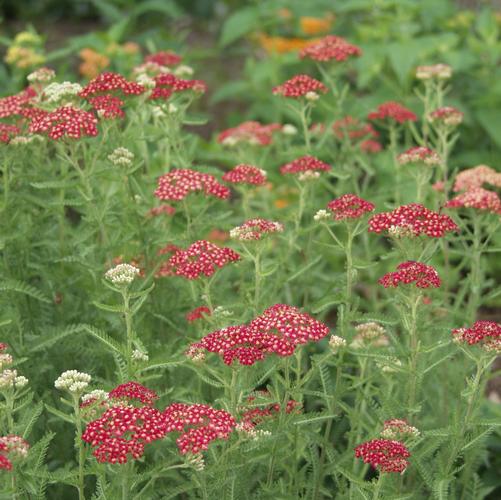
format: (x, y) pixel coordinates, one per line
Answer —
(316, 25)
(284, 13)
(282, 44)
(92, 63)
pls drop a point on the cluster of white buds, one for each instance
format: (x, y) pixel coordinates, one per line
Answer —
(221, 312)
(390, 365)
(150, 69)
(492, 345)
(420, 155)
(22, 140)
(311, 96)
(308, 175)
(158, 112)
(97, 395)
(20, 382)
(321, 215)
(251, 432)
(42, 75)
(254, 232)
(7, 378)
(5, 359)
(183, 70)
(138, 355)
(397, 428)
(73, 381)
(196, 461)
(122, 274)
(370, 330)
(289, 129)
(336, 343)
(402, 231)
(57, 92)
(121, 157)
(146, 81)
(438, 71)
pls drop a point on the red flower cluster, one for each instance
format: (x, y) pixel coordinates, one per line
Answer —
(3, 347)
(123, 431)
(65, 121)
(478, 198)
(482, 332)
(422, 275)
(108, 82)
(371, 147)
(330, 47)
(304, 164)
(162, 209)
(393, 111)
(163, 58)
(349, 206)
(13, 105)
(250, 132)
(167, 83)
(414, 218)
(200, 425)
(5, 463)
(476, 177)
(131, 391)
(7, 132)
(202, 258)
(245, 174)
(108, 106)
(419, 154)
(300, 86)
(12, 445)
(177, 184)
(256, 416)
(353, 128)
(197, 313)
(384, 454)
(255, 229)
(447, 115)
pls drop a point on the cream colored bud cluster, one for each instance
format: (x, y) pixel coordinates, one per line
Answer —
(42, 75)
(322, 215)
(336, 343)
(122, 274)
(311, 96)
(5, 359)
(146, 81)
(246, 233)
(251, 432)
(435, 71)
(10, 378)
(97, 395)
(431, 159)
(402, 231)
(73, 381)
(308, 175)
(57, 92)
(372, 334)
(397, 429)
(138, 355)
(221, 312)
(390, 365)
(289, 129)
(23, 140)
(196, 461)
(183, 70)
(121, 157)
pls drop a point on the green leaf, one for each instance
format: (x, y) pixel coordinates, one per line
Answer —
(25, 288)
(109, 307)
(490, 119)
(239, 24)
(60, 414)
(104, 338)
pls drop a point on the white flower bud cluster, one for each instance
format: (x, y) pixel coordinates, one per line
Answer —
(438, 71)
(396, 429)
(221, 312)
(57, 92)
(95, 396)
(158, 112)
(336, 343)
(391, 365)
(145, 80)
(308, 175)
(321, 215)
(7, 378)
(196, 461)
(20, 382)
(73, 381)
(5, 359)
(22, 140)
(122, 274)
(431, 159)
(402, 231)
(138, 355)
(289, 129)
(370, 330)
(311, 96)
(243, 233)
(251, 432)
(16, 445)
(121, 157)
(183, 70)
(42, 75)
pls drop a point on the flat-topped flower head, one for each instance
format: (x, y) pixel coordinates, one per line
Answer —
(303, 165)
(14, 445)
(353, 129)
(107, 106)
(14, 105)
(392, 111)
(178, 184)
(478, 199)
(476, 177)
(349, 206)
(167, 84)
(109, 82)
(163, 58)
(412, 272)
(250, 132)
(415, 220)
(8, 132)
(64, 122)
(336, 343)
(330, 48)
(122, 432)
(384, 455)
(370, 334)
(370, 146)
(419, 155)
(301, 86)
(133, 391)
(246, 174)
(61, 92)
(121, 157)
(199, 425)
(73, 381)
(122, 274)
(486, 334)
(397, 428)
(435, 71)
(446, 115)
(198, 313)
(202, 258)
(41, 75)
(256, 229)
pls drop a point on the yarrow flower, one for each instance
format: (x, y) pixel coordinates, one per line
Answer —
(476, 177)
(328, 48)
(65, 91)
(393, 111)
(446, 115)
(246, 174)
(486, 334)
(41, 75)
(198, 313)
(177, 184)
(435, 71)
(131, 391)
(370, 146)
(349, 206)
(14, 105)
(303, 165)
(396, 428)
(353, 129)
(93, 397)
(300, 86)
(370, 334)
(164, 58)
(419, 155)
(73, 381)
(121, 157)
(107, 106)
(415, 219)
(8, 132)
(250, 132)
(389, 365)
(336, 343)
(202, 258)
(384, 454)
(161, 210)
(108, 82)
(139, 356)
(123, 431)
(12, 445)
(422, 275)
(478, 198)
(199, 424)
(166, 84)
(255, 229)
(122, 274)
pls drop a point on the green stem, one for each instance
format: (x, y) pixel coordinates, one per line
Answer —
(304, 124)
(378, 487)
(80, 448)
(411, 324)
(393, 150)
(129, 331)
(475, 273)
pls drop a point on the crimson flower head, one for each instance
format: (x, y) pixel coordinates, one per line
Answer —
(256, 229)
(131, 391)
(166, 84)
(477, 198)
(202, 258)
(107, 106)
(108, 82)
(328, 48)
(5, 463)
(122, 432)
(412, 220)
(14, 105)
(199, 424)
(476, 177)
(370, 146)
(3, 347)
(7, 132)
(303, 165)
(66, 121)
(422, 275)
(419, 154)
(177, 184)
(250, 132)
(353, 128)
(198, 313)
(394, 111)
(349, 206)
(384, 454)
(447, 115)
(300, 86)
(12, 445)
(245, 174)
(486, 334)
(164, 58)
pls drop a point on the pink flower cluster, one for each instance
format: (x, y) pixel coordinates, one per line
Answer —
(250, 132)
(328, 48)
(198, 313)
(14, 105)
(300, 86)
(177, 184)
(108, 82)
(419, 154)
(476, 177)
(166, 84)
(131, 391)
(384, 454)
(484, 333)
(422, 275)
(349, 206)
(7, 132)
(12, 445)
(245, 174)
(478, 198)
(304, 164)
(255, 229)
(393, 111)
(353, 128)
(447, 115)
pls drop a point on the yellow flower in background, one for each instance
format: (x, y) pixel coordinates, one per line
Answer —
(27, 38)
(25, 51)
(316, 25)
(462, 20)
(92, 63)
